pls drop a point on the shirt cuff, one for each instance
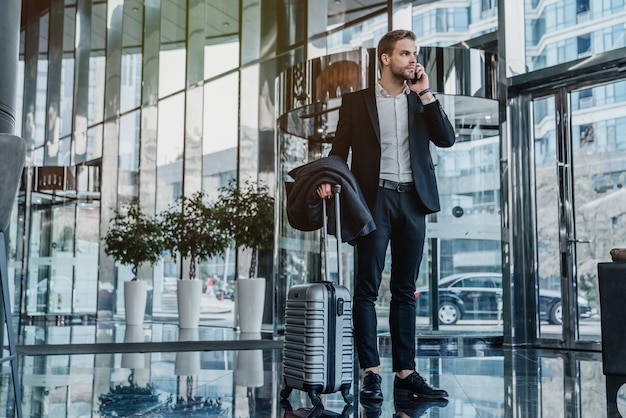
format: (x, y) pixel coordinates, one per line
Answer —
(433, 99)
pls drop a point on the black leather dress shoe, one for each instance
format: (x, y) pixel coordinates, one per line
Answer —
(416, 408)
(370, 390)
(415, 386)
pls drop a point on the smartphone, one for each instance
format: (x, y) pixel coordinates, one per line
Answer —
(420, 58)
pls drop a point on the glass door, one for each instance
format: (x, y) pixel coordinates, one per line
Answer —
(547, 189)
(598, 142)
(580, 169)
(50, 282)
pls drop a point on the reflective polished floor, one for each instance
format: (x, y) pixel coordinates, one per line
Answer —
(156, 371)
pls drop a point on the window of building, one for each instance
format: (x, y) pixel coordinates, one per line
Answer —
(489, 8)
(582, 6)
(585, 98)
(584, 45)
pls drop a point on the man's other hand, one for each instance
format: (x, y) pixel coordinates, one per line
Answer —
(324, 191)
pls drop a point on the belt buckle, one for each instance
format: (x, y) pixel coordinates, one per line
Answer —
(398, 187)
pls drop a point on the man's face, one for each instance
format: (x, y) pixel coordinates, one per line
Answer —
(402, 60)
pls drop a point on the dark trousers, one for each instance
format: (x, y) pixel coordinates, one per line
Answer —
(401, 221)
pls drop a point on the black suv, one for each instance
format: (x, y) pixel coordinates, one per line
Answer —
(477, 296)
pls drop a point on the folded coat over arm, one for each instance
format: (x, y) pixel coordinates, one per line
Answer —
(304, 206)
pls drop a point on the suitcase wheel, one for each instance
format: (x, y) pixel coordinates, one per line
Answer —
(315, 398)
(347, 396)
(285, 392)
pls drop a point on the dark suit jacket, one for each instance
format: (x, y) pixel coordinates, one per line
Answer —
(358, 128)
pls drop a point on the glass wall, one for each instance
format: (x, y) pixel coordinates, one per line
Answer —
(152, 100)
(115, 79)
(309, 95)
(463, 239)
(449, 22)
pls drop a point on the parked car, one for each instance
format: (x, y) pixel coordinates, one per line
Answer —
(478, 295)
(224, 294)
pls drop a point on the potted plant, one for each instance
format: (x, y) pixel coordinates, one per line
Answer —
(247, 214)
(191, 230)
(134, 238)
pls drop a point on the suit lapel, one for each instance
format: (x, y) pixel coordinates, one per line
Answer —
(370, 103)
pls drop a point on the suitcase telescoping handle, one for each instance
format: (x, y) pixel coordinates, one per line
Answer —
(336, 193)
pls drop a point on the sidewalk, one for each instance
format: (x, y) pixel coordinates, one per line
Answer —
(213, 305)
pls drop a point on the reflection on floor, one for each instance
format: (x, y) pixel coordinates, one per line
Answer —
(482, 381)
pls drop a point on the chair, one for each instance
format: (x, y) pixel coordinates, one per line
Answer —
(12, 158)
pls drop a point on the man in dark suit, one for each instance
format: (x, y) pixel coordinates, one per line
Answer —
(389, 128)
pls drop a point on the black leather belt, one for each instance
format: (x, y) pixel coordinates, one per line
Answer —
(398, 187)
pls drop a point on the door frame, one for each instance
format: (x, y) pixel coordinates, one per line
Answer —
(521, 320)
(566, 221)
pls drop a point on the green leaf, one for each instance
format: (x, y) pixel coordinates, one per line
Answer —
(134, 238)
(191, 229)
(246, 213)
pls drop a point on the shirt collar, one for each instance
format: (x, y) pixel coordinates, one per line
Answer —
(380, 91)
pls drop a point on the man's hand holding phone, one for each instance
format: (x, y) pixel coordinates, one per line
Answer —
(420, 80)
(419, 84)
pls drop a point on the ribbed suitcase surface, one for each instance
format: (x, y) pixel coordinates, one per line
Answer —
(317, 356)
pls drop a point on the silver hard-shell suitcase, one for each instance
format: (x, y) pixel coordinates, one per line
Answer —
(318, 353)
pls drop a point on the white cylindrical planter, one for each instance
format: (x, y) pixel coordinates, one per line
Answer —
(250, 303)
(188, 297)
(135, 296)
(133, 334)
(249, 364)
(187, 363)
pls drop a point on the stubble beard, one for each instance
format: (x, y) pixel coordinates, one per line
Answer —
(401, 73)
